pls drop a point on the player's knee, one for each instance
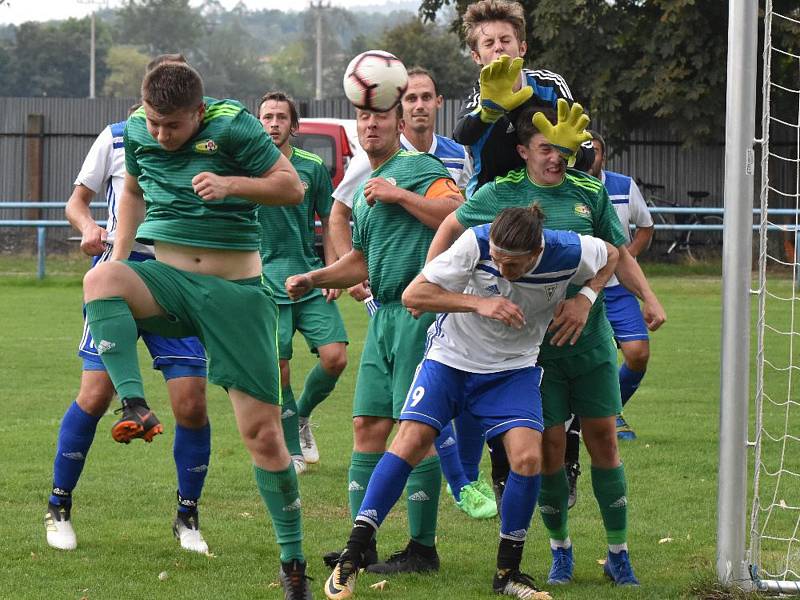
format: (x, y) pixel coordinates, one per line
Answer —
(526, 462)
(602, 446)
(189, 407)
(637, 356)
(370, 433)
(334, 363)
(95, 400)
(102, 281)
(264, 439)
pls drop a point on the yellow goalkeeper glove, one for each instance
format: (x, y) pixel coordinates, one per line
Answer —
(497, 82)
(570, 131)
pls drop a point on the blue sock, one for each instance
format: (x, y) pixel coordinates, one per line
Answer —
(629, 382)
(516, 508)
(447, 448)
(470, 443)
(385, 488)
(192, 450)
(74, 440)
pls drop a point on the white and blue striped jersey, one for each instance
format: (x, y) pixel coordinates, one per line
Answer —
(103, 172)
(454, 156)
(628, 203)
(476, 344)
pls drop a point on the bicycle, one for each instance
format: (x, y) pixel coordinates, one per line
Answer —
(698, 244)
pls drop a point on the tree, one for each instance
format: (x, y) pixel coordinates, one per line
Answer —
(126, 66)
(161, 26)
(436, 49)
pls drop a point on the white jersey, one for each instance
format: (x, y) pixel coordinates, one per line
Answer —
(629, 204)
(476, 344)
(103, 172)
(454, 156)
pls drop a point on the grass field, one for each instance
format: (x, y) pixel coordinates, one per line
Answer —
(124, 503)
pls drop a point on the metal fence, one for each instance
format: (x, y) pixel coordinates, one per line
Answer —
(40, 157)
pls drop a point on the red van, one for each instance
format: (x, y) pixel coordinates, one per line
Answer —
(334, 140)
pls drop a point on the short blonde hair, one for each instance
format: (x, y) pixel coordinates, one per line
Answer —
(486, 11)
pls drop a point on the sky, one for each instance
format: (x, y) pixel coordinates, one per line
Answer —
(19, 11)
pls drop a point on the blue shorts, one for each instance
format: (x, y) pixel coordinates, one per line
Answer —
(500, 401)
(625, 315)
(174, 357)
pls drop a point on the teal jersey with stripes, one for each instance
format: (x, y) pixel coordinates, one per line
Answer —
(579, 203)
(230, 142)
(394, 242)
(288, 233)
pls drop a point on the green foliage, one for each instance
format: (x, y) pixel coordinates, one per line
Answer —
(436, 49)
(126, 64)
(160, 26)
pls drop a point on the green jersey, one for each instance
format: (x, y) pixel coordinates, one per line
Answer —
(394, 242)
(579, 203)
(287, 232)
(230, 141)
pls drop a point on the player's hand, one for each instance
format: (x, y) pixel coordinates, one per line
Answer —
(298, 286)
(210, 187)
(569, 133)
(503, 310)
(654, 314)
(378, 189)
(93, 239)
(497, 81)
(331, 294)
(414, 312)
(359, 292)
(569, 320)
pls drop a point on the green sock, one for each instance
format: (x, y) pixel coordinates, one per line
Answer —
(610, 489)
(553, 501)
(362, 464)
(319, 385)
(115, 334)
(282, 498)
(289, 420)
(422, 490)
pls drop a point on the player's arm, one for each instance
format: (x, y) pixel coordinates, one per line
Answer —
(640, 216)
(339, 233)
(631, 276)
(446, 234)
(469, 128)
(345, 272)
(130, 214)
(277, 186)
(641, 240)
(441, 198)
(78, 213)
(598, 261)
(328, 250)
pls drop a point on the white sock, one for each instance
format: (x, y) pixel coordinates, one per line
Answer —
(555, 544)
(615, 548)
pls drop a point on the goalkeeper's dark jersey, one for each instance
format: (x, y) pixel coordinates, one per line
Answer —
(494, 145)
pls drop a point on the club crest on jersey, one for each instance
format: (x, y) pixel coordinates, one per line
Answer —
(391, 181)
(549, 290)
(206, 147)
(305, 184)
(583, 211)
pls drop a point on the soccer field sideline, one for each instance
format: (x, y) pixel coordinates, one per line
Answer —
(125, 501)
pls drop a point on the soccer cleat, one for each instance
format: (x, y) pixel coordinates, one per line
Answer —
(137, 421)
(414, 558)
(58, 525)
(186, 529)
(370, 556)
(307, 442)
(342, 582)
(573, 470)
(624, 431)
(485, 488)
(294, 581)
(561, 569)
(517, 584)
(299, 464)
(618, 569)
(475, 504)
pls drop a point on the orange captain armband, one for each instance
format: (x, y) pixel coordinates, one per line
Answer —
(442, 188)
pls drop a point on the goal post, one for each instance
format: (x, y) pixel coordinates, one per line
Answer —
(731, 564)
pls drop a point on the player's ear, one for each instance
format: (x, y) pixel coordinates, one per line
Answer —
(476, 57)
(439, 101)
(522, 151)
(523, 48)
(201, 111)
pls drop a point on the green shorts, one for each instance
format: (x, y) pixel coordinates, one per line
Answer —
(319, 322)
(237, 322)
(585, 384)
(393, 349)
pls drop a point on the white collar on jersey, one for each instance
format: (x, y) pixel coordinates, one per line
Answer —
(407, 144)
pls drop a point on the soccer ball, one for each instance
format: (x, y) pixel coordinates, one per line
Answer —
(375, 80)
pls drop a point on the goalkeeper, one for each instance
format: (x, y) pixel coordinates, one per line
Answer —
(495, 32)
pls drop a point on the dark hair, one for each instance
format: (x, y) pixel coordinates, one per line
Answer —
(278, 96)
(422, 71)
(518, 229)
(166, 58)
(525, 127)
(486, 11)
(599, 138)
(133, 108)
(171, 87)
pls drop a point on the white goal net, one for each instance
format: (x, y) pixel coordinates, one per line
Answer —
(775, 513)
